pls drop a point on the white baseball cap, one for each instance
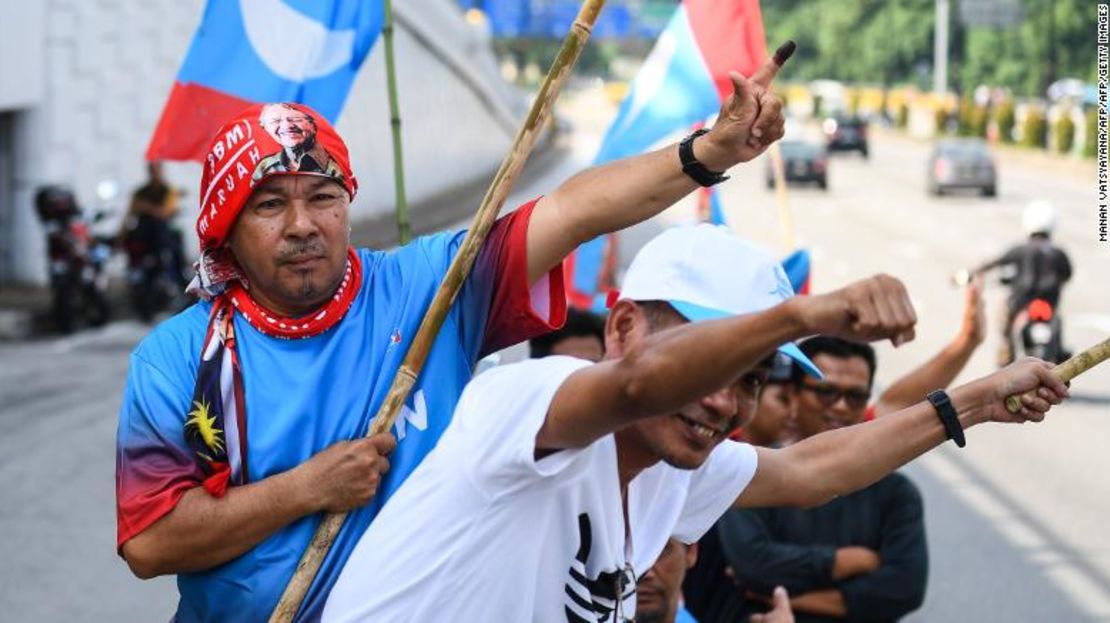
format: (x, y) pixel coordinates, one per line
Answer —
(705, 272)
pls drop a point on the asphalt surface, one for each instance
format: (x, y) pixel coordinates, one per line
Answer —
(1015, 520)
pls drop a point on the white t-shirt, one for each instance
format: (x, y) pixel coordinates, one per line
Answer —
(481, 531)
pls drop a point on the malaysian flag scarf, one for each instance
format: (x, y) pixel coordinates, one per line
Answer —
(216, 425)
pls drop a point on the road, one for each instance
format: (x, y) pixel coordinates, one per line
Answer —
(1015, 520)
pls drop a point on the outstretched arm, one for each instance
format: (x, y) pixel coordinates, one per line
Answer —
(942, 369)
(1007, 258)
(613, 196)
(836, 462)
(663, 372)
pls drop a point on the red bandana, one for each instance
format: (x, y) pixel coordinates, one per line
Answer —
(309, 326)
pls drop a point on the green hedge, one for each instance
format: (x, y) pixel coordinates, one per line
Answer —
(1064, 133)
(853, 102)
(940, 118)
(902, 116)
(977, 124)
(972, 119)
(1034, 130)
(1004, 119)
(963, 116)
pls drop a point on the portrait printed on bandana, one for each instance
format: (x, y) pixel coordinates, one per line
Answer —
(294, 130)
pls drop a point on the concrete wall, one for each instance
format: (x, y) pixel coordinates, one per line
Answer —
(22, 44)
(105, 67)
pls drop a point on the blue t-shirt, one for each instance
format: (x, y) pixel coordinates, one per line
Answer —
(302, 396)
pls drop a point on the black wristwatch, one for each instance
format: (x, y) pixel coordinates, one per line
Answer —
(690, 165)
(947, 414)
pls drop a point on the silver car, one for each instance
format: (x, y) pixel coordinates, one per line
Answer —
(962, 163)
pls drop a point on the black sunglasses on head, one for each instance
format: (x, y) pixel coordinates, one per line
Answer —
(828, 395)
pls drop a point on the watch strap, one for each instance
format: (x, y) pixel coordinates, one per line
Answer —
(947, 414)
(692, 167)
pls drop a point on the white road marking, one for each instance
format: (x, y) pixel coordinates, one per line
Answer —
(1075, 582)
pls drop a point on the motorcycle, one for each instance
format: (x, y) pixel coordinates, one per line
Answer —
(76, 258)
(1036, 330)
(154, 265)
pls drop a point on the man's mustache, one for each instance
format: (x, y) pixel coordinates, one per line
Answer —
(299, 251)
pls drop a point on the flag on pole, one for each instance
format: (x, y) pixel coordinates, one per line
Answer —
(685, 78)
(251, 51)
(683, 81)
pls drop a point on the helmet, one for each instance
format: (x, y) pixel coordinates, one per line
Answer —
(1039, 217)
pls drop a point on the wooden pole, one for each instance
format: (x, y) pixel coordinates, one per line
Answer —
(404, 230)
(1071, 368)
(786, 217)
(421, 345)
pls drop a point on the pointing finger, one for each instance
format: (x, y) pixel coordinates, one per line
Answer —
(766, 73)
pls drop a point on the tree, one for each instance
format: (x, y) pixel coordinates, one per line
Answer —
(891, 42)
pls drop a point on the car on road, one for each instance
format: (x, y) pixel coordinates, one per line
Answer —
(846, 133)
(964, 163)
(803, 161)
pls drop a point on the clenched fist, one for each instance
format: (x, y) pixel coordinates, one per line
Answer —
(871, 309)
(346, 475)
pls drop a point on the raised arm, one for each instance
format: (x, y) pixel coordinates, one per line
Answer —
(665, 370)
(939, 371)
(616, 195)
(1009, 257)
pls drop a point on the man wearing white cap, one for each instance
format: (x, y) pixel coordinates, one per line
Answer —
(559, 481)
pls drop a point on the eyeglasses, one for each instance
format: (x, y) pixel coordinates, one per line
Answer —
(829, 395)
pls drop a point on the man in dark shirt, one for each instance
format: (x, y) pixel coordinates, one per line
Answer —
(1038, 269)
(860, 557)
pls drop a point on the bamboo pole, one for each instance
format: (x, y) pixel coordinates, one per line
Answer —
(317, 550)
(1071, 368)
(404, 230)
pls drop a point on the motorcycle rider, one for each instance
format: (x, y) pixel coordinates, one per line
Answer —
(154, 246)
(1038, 267)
